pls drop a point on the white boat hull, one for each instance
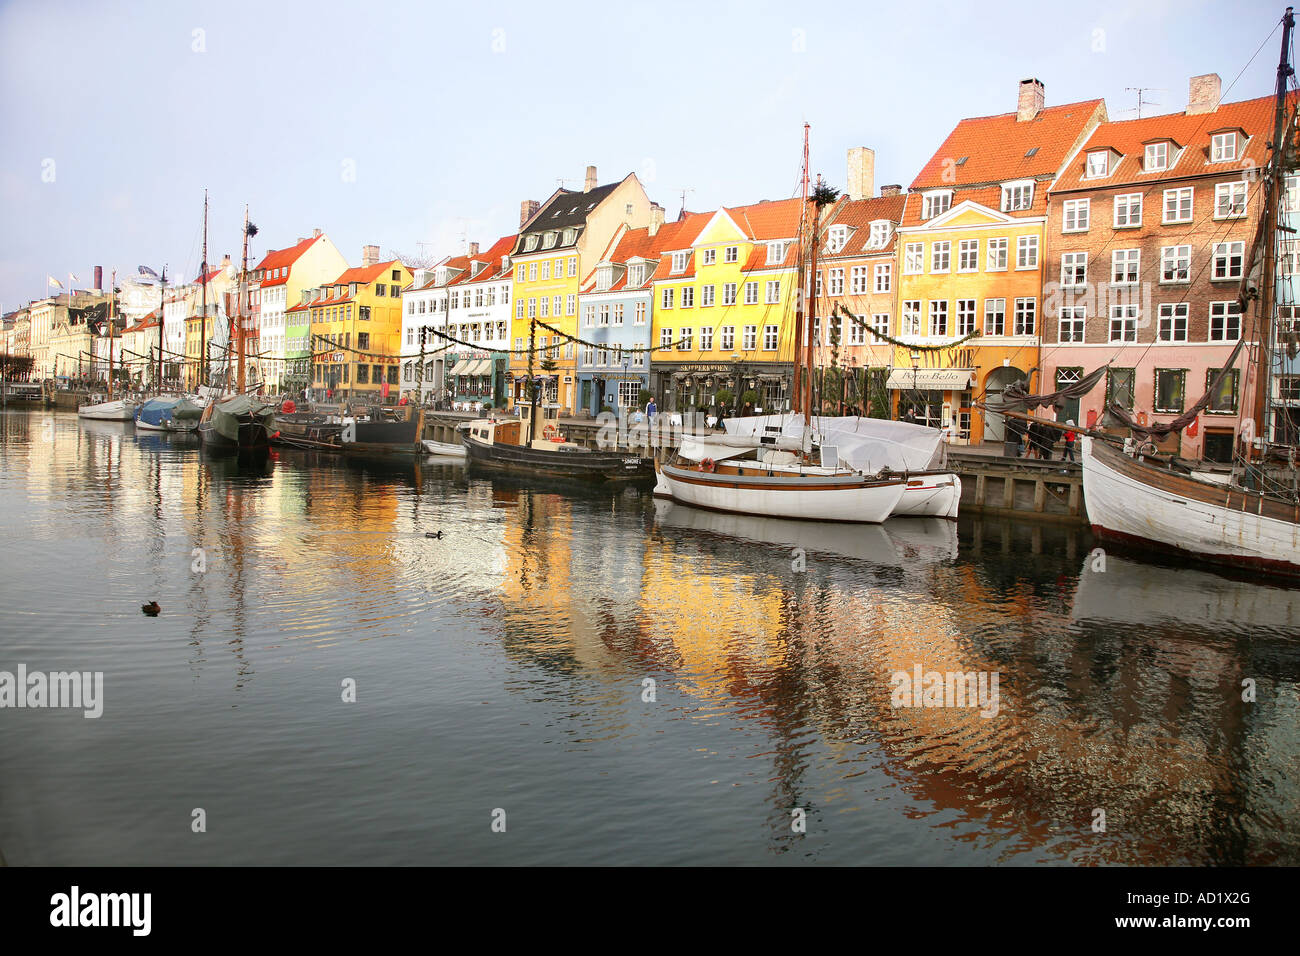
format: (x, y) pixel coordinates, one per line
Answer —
(935, 495)
(114, 411)
(1122, 506)
(444, 448)
(808, 497)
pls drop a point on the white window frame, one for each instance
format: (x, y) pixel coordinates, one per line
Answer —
(1075, 215)
(971, 248)
(942, 248)
(1172, 319)
(1170, 256)
(1024, 243)
(1091, 168)
(1018, 196)
(1072, 319)
(1223, 147)
(1125, 266)
(999, 254)
(1230, 199)
(1225, 310)
(1128, 202)
(884, 275)
(1155, 157)
(1178, 194)
(913, 258)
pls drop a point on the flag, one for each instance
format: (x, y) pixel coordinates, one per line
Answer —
(54, 283)
(1192, 428)
(146, 271)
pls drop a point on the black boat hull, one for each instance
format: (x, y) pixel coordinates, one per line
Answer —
(579, 465)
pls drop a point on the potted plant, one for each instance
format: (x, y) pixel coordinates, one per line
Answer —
(724, 396)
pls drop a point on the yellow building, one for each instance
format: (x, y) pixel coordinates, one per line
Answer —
(559, 243)
(970, 262)
(725, 302)
(356, 331)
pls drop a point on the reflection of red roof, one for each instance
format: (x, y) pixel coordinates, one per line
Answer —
(277, 258)
(1129, 137)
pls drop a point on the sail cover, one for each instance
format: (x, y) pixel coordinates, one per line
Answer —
(1016, 398)
(866, 444)
(1186, 418)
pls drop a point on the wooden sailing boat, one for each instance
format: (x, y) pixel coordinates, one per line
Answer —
(779, 475)
(238, 422)
(1253, 520)
(109, 410)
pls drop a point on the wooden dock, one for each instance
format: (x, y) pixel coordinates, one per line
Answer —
(1020, 487)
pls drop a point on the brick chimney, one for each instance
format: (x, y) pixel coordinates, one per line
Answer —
(225, 261)
(656, 217)
(527, 209)
(861, 181)
(590, 183)
(1203, 93)
(473, 249)
(1030, 102)
(893, 189)
(369, 255)
(315, 233)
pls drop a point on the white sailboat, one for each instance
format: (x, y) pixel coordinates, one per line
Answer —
(110, 409)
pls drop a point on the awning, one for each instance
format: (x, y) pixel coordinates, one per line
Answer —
(931, 379)
(481, 367)
(459, 367)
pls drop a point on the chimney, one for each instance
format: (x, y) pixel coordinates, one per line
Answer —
(656, 217)
(300, 240)
(99, 278)
(1030, 103)
(225, 262)
(527, 209)
(590, 184)
(473, 249)
(1203, 93)
(894, 189)
(369, 255)
(315, 233)
(861, 182)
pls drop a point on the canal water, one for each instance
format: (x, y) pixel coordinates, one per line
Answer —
(580, 676)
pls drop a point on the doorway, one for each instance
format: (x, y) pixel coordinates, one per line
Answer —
(997, 381)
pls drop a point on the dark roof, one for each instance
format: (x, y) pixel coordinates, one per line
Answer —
(569, 207)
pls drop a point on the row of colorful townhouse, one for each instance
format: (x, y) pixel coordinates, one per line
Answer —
(1035, 245)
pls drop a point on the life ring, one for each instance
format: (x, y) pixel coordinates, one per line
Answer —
(551, 433)
(708, 464)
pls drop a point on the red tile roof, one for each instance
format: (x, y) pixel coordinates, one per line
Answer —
(1128, 138)
(284, 257)
(211, 276)
(858, 215)
(363, 275)
(777, 219)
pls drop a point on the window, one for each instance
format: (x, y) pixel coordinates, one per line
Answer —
(573, 266)
(935, 204)
(1027, 252)
(1170, 389)
(1223, 147)
(640, 314)
(571, 305)
(706, 339)
(770, 337)
(521, 271)
(666, 299)
(1128, 210)
(858, 280)
(751, 293)
(750, 338)
(532, 308)
(1120, 386)
(911, 317)
(1124, 266)
(1173, 322)
(709, 256)
(730, 253)
(879, 235)
(688, 297)
(1123, 323)
(884, 272)
(940, 256)
(684, 340)
(1223, 400)
(665, 337)
(1230, 200)
(532, 270)
(1175, 263)
(879, 322)
(774, 287)
(1099, 163)
(1073, 319)
(1228, 260)
(1076, 215)
(995, 316)
(1156, 157)
(706, 295)
(965, 316)
(997, 259)
(913, 258)
(1225, 322)
(381, 290)
(635, 275)
(602, 314)
(549, 240)
(556, 310)
(519, 308)
(728, 338)
(938, 318)
(729, 293)
(1017, 196)
(679, 261)
(546, 306)
(775, 253)
(968, 255)
(835, 239)
(1074, 268)
(546, 270)
(1026, 316)
(1178, 205)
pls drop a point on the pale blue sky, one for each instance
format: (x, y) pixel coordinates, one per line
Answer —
(451, 114)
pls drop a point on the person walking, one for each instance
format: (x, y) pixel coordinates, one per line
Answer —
(1070, 439)
(650, 411)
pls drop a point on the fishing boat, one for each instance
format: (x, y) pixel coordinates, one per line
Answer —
(109, 410)
(168, 414)
(1134, 494)
(511, 446)
(366, 430)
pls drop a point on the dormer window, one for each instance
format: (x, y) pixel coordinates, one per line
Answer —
(836, 238)
(505, 263)
(530, 244)
(1099, 164)
(604, 278)
(1017, 197)
(936, 203)
(570, 234)
(775, 252)
(549, 241)
(1223, 147)
(879, 234)
(1156, 157)
(679, 261)
(635, 275)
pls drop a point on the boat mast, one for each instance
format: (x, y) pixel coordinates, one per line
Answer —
(800, 287)
(812, 314)
(112, 286)
(243, 291)
(203, 317)
(162, 308)
(1272, 195)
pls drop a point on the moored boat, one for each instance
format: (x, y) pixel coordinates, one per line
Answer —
(503, 445)
(172, 414)
(114, 410)
(444, 448)
(238, 423)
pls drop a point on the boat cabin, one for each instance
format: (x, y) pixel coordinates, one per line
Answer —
(513, 431)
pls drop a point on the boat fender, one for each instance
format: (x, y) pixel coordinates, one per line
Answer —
(708, 465)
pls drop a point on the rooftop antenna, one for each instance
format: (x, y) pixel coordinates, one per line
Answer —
(684, 191)
(1139, 90)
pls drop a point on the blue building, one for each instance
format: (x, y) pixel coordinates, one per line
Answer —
(1285, 413)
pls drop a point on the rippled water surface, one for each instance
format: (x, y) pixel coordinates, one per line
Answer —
(628, 680)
